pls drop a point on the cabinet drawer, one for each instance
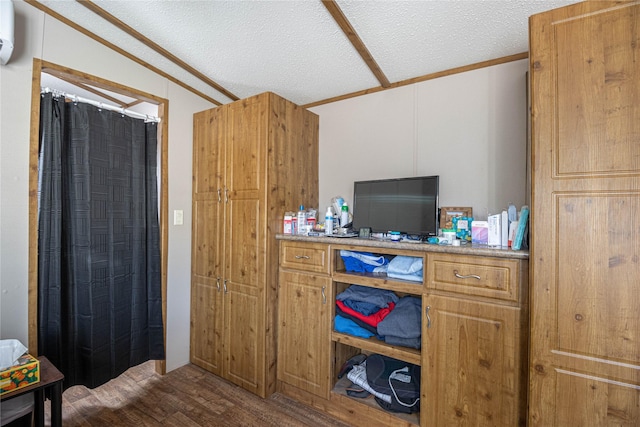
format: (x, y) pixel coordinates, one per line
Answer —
(481, 276)
(305, 257)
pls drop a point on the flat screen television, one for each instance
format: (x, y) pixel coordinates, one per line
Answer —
(406, 205)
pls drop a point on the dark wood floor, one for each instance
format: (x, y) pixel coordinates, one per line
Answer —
(188, 396)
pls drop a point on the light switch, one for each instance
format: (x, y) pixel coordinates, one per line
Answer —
(178, 217)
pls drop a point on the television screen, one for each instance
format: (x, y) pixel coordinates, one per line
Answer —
(406, 205)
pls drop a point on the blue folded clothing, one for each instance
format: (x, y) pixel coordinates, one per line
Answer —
(348, 326)
(362, 262)
(405, 267)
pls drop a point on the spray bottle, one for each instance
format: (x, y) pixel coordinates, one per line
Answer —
(344, 217)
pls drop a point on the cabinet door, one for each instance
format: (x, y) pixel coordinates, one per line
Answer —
(471, 372)
(206, 324)
(244, 254)
(207, 235)
(304, 334)
(244, 339)
(585, 229)
(206, 290)
(245, 226)
(244, 297)
(247, 137)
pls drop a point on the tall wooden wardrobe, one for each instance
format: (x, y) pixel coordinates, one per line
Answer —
(253, 160)
(585, 217)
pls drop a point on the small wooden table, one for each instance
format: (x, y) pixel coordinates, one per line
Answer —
(51, 378)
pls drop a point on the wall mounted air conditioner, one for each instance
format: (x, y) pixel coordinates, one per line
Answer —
(6, 30)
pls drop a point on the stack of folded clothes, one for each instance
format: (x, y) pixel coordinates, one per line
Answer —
(405, 267)
(402, 326)
(361, 309)
(398, 267)
(365, 312)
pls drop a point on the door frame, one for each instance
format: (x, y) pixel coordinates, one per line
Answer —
(39, 67)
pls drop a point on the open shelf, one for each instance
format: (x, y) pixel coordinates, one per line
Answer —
(374, 345)
(377, 280)
(340, 392)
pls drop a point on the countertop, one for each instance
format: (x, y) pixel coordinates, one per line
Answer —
(466, 249)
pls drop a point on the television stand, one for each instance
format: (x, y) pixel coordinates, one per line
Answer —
(474, 320)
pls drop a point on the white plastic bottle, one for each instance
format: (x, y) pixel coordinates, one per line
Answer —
(302, 221)
(328, 222)
(344, 217)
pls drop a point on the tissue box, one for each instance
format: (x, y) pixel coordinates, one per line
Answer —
(480, 232)
(494, 236)
(26, 372)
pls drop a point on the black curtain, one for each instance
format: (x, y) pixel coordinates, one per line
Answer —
(99, 286)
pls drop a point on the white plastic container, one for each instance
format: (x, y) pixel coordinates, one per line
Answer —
(449, 235)
(288, 223)
(302, 221)
(328, 222)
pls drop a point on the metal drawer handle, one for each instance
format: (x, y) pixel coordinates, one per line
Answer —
(470, 276)
(426, 312)
(324, 296)
(218, 283)
(219, 198)
(303, 257)
(224, 285)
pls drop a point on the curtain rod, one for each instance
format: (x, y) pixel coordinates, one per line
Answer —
(76, 98)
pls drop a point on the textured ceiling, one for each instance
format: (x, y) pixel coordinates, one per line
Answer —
(297, 50)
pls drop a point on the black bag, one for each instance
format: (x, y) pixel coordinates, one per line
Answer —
(398, 379)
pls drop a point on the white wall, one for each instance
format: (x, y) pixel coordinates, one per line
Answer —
(41, 36)
(468, 128)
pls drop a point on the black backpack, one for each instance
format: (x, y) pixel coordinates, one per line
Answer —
(398, 379)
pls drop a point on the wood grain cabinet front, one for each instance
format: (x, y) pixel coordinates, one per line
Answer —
(474, 341)
(240, 191)
(304, 332)
(304, 317)
(305, 257)
(473, 321)
(475, 370)
(495, 278)
(585, 228)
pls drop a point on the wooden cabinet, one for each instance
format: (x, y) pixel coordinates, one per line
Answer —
(474, 331)
(304, 318)
(207, 241)
(475, 363)
(585, 227)
(253, 160)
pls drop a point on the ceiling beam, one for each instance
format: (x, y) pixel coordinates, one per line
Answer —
(457, 70)
(156, 47)
(355, 40)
